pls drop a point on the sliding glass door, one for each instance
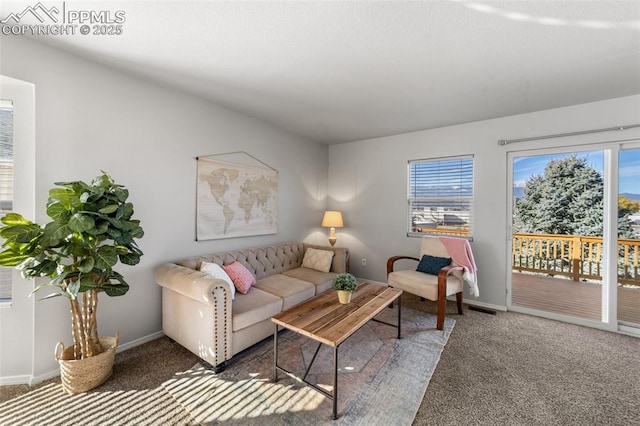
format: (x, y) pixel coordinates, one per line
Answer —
(628, 289)
(575, 234)
(557, 232)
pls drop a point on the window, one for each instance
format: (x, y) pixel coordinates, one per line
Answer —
(6, 183)
(440, 197)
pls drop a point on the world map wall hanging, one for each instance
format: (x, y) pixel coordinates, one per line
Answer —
(235, 198)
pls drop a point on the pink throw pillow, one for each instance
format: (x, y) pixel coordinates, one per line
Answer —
(242, 278)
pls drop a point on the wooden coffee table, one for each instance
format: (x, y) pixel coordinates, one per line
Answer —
(329, 322)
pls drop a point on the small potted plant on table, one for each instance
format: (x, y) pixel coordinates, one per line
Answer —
(344, 284)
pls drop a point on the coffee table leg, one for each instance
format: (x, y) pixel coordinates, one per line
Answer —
(335, 383)
(399, 314)
(275, 354)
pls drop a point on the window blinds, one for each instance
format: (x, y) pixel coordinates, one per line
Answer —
(6, 183)
(440, 196)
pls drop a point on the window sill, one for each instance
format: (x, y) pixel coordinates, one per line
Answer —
(422, 234)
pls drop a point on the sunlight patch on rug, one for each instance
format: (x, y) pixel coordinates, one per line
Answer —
(51, 405)
(381, 380)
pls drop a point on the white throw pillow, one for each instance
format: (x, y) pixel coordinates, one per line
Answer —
(320, 260)
(216, 271)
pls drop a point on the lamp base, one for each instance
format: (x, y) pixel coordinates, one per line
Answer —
(332, 236)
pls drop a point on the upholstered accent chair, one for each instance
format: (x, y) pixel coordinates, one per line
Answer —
(446, 281)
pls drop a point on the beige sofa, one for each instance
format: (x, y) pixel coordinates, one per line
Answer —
(198, 312)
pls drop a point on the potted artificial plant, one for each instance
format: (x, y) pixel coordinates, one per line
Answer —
(91, 229)
(344, 284)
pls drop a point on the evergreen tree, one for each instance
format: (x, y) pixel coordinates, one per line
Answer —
(566, 199)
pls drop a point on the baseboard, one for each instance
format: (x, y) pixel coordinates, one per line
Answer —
(371, 281)
(14, 380)
(140, 341)
(34, 380)
(484, 305)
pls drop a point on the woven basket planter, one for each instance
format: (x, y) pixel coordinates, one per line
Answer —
(81, 375)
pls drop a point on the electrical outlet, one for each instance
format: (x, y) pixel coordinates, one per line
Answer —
(364, 262)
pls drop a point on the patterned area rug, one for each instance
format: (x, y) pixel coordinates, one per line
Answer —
(381, 380)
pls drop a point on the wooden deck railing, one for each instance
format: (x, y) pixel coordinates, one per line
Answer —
(574, 256)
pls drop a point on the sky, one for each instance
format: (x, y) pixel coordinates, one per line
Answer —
(628, 166)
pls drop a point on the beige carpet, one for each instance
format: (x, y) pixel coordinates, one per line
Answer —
(382, 381)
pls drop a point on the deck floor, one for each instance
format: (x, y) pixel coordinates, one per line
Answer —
(578, 299)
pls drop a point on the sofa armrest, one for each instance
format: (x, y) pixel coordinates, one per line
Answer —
(191, 283)
(196, 311)
(340, 261)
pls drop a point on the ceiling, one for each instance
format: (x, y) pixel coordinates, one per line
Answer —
(337, 71)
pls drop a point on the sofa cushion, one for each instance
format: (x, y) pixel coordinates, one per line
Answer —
(319, 260)
(292, 291)
(253, 307)
(242, 278)
(216, 271)
(322, 280)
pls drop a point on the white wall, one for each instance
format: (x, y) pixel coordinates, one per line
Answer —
(91, 118)
(368, 182)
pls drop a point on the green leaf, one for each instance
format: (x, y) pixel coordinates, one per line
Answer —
(86, 264)
(40, 287)
(121, 249)
(101, 226)
(109, 209)
(15, 219)
(125, 211)
(130, 225)
(49, 238)
(80, 222)
(52, 295)
(62, 232)
(42, 269)
(66, 197)
(130, 258)
(125, 238)
(114, 290)
(105, 258)
(57, 210)
(103, 181)
(72, 289)
(20, 233)
(88, 283)
(116, 223)
(137, 233)
(60, 278)
(122, 194)
(10, 258)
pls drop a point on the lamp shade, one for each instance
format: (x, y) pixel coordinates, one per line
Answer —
(332, 219)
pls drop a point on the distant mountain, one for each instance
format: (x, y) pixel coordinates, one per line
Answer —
(633, 197)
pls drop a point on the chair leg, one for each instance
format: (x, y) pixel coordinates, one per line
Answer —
(459, 302)
(442, 304)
